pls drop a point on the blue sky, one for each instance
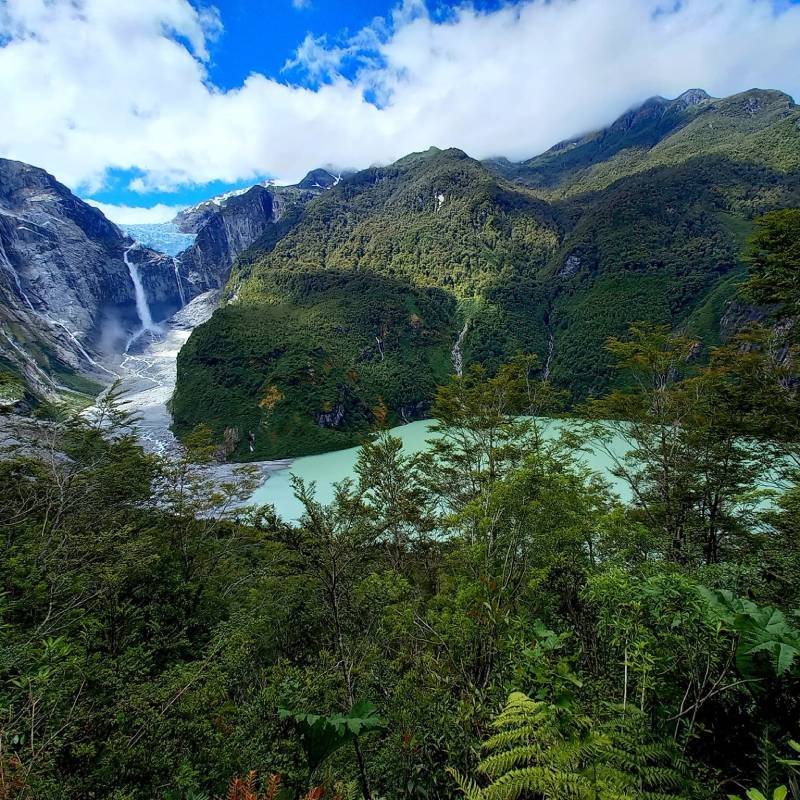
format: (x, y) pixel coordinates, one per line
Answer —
(144, 106)
(258, 36)
(261, 36)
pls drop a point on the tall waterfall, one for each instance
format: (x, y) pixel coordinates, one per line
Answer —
(176, 264)
(142, 308)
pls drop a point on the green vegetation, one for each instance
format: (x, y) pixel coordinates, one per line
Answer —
(755, 127)
(644, 221)
(331, 357)
(484, 620)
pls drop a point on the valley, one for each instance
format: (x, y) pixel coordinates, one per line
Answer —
(399, 400)
(344, 301)
(444, 478)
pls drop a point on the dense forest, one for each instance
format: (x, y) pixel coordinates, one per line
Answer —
(483, 620)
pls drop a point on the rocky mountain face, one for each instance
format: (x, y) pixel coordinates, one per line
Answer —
(349, 317)
(223, 233)
(229, 225)
(68, 294)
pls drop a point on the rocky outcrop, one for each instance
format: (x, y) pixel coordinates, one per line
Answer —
(571, 265)
(225, 233)
(228, 225)
(67, 294)
(331, 418)
(191, 219)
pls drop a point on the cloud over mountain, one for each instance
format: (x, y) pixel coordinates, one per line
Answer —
(89, 86)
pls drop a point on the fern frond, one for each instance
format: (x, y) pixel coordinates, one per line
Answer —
(531, 780)
(500, 763)
(468, 787)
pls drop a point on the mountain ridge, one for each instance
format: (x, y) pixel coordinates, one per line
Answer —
(652, 232)
(626, 146)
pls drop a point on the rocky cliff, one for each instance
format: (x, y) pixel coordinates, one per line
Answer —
(228, 225)
(68, 295)
(226, 231)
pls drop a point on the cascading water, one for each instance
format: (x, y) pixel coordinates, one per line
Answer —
(456, 355)
(176, 264)
(142, 308)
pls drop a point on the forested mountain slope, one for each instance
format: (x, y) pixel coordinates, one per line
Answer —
(350, 317)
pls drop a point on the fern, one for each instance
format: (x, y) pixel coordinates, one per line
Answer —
(246, 788)
(545, 752)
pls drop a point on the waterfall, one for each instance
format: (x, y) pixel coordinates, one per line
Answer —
(456, 354)
(175, 264)
(142, 308)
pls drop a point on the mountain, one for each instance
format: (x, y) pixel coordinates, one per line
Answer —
(228, 225)
(68, 296)
(75, 289)
(755, 127)
(394, 277)
(319, 179)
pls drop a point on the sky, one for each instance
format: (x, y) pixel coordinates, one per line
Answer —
(145, 106)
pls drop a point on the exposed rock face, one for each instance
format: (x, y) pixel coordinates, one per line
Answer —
(691, 97)
(191, 219)
(333, 418)
(570, 267)
(67, 297)
(410, 412)
(228, 225)
(227, 231)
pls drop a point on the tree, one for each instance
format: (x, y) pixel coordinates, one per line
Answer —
(391, 487)
(773, 255)
(484, 427)
(336, 544)
(690, 459)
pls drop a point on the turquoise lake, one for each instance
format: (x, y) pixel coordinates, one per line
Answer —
(327, 469)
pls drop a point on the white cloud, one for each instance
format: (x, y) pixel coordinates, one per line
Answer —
(300, 5)
(90, 85)
(137, 215)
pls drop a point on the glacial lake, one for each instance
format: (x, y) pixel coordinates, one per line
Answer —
(327, 469)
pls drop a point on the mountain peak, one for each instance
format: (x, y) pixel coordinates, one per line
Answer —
(319, 179)
(692, 97)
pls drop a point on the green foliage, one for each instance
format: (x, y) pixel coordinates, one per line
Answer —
(150, 630)
(773, 255)
(324, 735)
(691, 456)
(311, 369)
(765, 636)
(538, 750)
